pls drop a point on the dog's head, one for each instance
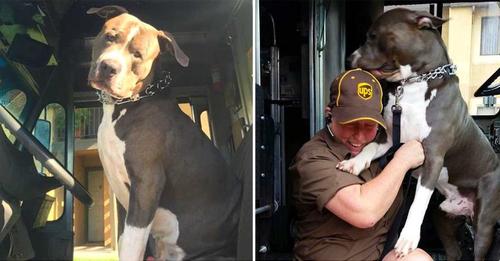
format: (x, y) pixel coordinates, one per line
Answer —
(124, 51)
(401, 43)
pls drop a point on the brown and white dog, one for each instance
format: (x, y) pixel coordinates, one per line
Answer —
(404, 45)
(167, 174)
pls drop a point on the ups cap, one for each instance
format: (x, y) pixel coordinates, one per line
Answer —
(356, 95)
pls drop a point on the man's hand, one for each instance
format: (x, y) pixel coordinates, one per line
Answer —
(410, 153)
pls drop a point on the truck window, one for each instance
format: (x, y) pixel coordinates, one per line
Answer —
(54, 113)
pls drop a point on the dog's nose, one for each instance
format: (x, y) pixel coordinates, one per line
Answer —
(109, 68)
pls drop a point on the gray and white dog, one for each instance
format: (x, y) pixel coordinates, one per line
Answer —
(164, 171)
(404, 45)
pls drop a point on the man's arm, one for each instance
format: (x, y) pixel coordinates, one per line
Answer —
(363, 205)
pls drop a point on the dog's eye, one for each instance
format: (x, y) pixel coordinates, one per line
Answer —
(109, 37)
(371, 36)
(137, 54)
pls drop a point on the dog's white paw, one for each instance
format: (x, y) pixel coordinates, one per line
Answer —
(408, 241)
(353, 166)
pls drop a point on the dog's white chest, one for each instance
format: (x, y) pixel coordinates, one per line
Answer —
(413, 117)
(111, 150)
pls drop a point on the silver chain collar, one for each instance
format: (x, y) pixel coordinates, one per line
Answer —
(438, 73)
(151, 90)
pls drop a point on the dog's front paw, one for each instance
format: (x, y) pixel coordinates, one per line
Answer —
(353, 166)
(408, 241)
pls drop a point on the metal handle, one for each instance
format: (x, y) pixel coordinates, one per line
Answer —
(263, 209)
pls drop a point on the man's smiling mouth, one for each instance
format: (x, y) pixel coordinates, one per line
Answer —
(355, 145)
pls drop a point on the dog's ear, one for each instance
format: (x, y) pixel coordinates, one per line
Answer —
(428, 21)
(108, 11)
(168, 42)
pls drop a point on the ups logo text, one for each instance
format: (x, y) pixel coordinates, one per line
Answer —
(365, 91)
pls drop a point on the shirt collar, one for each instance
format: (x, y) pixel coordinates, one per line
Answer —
(343, 153)
(334, 144)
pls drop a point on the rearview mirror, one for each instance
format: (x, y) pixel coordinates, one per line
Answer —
(42, 132)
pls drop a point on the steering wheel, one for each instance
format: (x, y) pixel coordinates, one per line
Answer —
(47, 159)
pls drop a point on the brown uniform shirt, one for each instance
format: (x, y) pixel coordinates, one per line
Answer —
(321, 234)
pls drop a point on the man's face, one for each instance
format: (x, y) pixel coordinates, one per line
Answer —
(355, 135)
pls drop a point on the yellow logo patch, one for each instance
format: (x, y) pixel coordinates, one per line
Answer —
(365, 91)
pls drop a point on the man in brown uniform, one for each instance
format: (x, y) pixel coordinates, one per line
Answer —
(340, 215)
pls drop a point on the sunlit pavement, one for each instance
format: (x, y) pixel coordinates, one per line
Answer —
(87, 253)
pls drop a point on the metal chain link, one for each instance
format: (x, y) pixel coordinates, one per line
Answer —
(151, 90)
(438, 73)
(398, 94)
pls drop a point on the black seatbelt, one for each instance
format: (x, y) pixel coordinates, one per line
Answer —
(392, 234)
